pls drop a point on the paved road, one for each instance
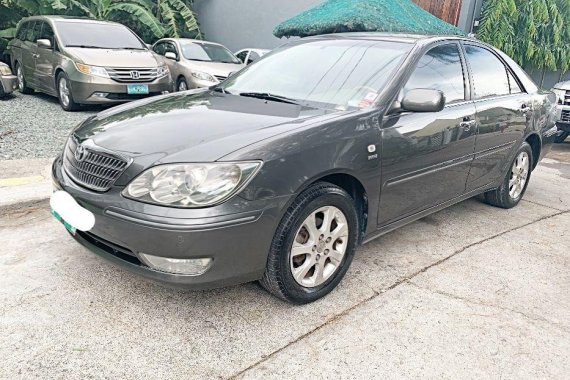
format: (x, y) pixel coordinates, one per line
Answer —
(470, 292)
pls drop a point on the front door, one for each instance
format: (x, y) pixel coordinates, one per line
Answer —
(426, 157)
(46, 61)
(29, 48)
(503, 112)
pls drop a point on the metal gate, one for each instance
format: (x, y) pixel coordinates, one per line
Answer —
(447, 10)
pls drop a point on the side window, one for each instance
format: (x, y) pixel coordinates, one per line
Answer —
(242, 56)
(253, 57)
(47, 34)
(489, 74)
(440, 69)
(159, 48)
(30, 31)
(515, 88)
(21, 35)
(170, 48)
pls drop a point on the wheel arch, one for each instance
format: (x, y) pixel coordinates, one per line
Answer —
(536, 146)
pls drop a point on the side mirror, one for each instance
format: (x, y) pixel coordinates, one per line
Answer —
(423, 100)
(44, 44)
(170, 55)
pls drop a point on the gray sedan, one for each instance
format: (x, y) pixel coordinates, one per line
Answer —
(279, 173)
(8, 81)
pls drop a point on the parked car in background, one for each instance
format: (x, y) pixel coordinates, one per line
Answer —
(8, 81)
(562, 91)
(195, 63)
(84, 61)
(248, 56)
(280, 172)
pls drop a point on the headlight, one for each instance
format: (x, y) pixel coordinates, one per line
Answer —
(162, 71)
(5, 70)
(560, 95)
(191, 185)
(203, 76)
(92, 70)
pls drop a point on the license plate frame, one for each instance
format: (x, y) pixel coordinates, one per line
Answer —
(137, 89)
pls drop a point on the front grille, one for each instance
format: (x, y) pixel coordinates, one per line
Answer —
(132, 75)
(567, 98)
(220, 78)
(93, 169)
(565, 116)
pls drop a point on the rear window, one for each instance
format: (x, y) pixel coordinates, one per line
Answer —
(98, 36)
(489, 74)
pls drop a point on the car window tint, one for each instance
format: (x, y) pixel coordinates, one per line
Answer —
(489, 73)
(515, 88)
(21, 35)
(30, 34)
(170, 48)
(159, 48)
(242, 56)
(253, 56)
(440, 69)
(47, 33)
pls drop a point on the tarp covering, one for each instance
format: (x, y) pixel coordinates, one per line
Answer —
(338, 16)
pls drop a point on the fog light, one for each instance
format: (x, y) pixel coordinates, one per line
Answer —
(190, 267)
(100, 94)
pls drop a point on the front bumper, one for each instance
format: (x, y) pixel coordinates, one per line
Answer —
(9, 84)
(563, 118)
(84, 88)
(238, 242)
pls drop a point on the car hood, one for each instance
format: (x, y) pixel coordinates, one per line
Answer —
(214, 68)
(115, 57)
(194, 126)
(562, 85)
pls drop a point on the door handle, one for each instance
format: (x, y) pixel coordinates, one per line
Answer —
(467, 123)
(35, 55)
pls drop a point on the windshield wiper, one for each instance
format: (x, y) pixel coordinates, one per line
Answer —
(87, 46)
(268, 96)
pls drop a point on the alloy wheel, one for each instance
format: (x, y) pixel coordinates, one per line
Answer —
(64, 91)
(182, 86)
(519, 175)
(20, 76)
(319, 246)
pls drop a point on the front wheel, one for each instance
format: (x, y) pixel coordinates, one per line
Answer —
(64, 93)
(182, 85)
(313, 246)
(514, 185)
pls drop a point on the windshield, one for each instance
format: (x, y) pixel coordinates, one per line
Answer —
(207, 52)
(325, 73)
(98, 36)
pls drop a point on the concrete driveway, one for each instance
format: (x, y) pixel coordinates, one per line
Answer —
(470, 292)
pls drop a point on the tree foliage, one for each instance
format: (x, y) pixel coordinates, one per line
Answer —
(536, 33)
(150, 19)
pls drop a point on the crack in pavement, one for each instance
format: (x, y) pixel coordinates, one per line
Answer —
(534, 318)
(396, 284)
(545, 206)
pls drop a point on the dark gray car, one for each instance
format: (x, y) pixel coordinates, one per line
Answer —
(279, 173)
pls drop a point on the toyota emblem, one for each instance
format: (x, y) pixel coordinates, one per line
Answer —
(135, 74)
(80, 153)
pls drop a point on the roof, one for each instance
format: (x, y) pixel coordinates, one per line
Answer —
(68, 19)
(190, 40)
(337, 16)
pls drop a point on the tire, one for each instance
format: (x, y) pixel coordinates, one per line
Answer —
(181, 84)
(64, 94)
(22, 84)
(316, 254)
(509, 194)
(561, 137)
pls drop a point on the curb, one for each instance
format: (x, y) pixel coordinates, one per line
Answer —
(24, 184)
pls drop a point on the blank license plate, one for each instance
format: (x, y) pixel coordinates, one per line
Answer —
(137, 89)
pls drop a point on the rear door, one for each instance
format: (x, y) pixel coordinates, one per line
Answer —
(29, 48)
(503, 112)
(46, 60)
(426, 157)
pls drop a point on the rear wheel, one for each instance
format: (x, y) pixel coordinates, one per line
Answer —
(22, 84)
(64, 93)
(561, 137)
(313, 245)
(510, 193)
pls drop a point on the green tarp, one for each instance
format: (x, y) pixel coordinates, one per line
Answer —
(338, 16)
